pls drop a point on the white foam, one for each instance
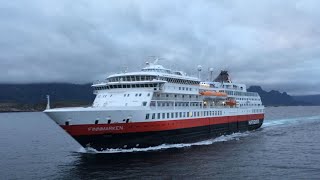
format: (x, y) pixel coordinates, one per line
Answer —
(276, 122)
(234, 136)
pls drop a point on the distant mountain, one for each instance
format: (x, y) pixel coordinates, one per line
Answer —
(36, 93)
(311, 99)
(32, 97)
(276, 98)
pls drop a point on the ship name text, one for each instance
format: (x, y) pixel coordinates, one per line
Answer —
(109, 128)
(253, 122)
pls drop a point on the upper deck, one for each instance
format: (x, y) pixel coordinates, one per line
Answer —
(153, 72)
(156, 86)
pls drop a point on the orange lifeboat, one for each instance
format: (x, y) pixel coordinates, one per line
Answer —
(231, 102)
(212, 93)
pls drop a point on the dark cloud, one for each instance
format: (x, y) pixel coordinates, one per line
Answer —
(269, 42)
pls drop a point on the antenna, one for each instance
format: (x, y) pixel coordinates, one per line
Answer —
(211, 74)
(125, 69)
(48, 102)
(156, 61)
(155, 58)
(199, 71)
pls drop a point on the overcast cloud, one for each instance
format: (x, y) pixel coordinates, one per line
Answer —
(272, 43)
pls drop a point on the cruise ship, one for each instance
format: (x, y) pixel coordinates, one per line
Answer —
(158, 106)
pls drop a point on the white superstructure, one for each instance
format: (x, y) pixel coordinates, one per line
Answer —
(156, 94)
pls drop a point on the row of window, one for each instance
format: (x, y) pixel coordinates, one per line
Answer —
(173, 115)
(257, 110)
(150, 78)
(180, 81)
(163, 95)
(140, 94)
(248, 99)
(248, 105)
(131, 78)
(177, 104)
(125, 95)
(185, 89)
(238, 93)
(167, 71)
(127, 86)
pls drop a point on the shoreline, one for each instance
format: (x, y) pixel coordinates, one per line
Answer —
(17, 111)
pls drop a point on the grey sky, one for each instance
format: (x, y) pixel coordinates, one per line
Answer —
(271, 43)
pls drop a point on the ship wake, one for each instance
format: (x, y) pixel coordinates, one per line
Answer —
(289, 121)
(235, 137)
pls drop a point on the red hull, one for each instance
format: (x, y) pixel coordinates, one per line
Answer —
(137, 127)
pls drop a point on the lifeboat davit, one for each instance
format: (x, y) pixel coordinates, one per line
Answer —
(213, 93)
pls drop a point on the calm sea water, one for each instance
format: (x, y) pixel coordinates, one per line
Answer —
(286, 147)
